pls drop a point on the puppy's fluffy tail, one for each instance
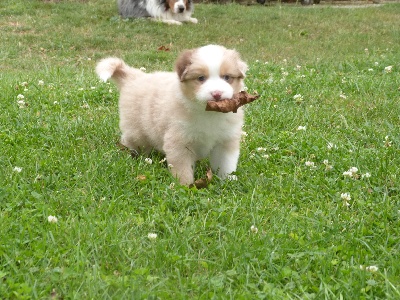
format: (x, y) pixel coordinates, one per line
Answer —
(117, 70)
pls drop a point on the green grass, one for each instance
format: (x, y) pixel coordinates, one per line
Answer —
(309, 243)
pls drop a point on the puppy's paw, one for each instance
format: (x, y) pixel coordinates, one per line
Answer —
(172, 22)
(193, 20)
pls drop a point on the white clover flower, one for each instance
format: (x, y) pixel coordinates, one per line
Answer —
(376, 63)
(231, 177)
(331, 146)
(347, 174)
(285, 73)
(17, 169)
(253, 229)
(345, 196)
(301, 128)
(260, 149)
(152, 236)
(244, 133)
(353, 170)
(298, 97)
(366, 175)
(20, 97)
(266, 156)
(143, 69)
(21, 104)
(387, 142)
(24, 83)
(328, 167)
(388, 69)
(163, 160)
(172, 185)
(148, 161)
(298, 67)
(371, 269)
(310, 164)
(55, 102)
(370, 70)
(343, 96)
(52, 219)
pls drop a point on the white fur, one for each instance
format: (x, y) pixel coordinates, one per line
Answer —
(170, 16)
(166, 110)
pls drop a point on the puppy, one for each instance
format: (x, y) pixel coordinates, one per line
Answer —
(166, 110)
(168, 11)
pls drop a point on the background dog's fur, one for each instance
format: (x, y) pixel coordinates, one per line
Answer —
(168, 11)
(166, 110)
(133, 9)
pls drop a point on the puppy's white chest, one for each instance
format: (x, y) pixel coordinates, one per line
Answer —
(205, 133)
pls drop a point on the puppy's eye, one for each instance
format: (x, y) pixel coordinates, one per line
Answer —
(201, 78)
(226, 78)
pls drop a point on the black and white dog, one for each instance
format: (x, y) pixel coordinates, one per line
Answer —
(167, 11)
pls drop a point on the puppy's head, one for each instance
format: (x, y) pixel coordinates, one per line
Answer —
(210, 73)
(177, 6)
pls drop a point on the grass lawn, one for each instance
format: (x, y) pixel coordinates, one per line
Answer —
(314, 214)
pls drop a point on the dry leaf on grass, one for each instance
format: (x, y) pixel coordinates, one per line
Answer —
(231, 105)
(203, 182)
(141, 177)
(163, 48)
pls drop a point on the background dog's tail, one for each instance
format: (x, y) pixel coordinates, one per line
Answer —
(115, 69)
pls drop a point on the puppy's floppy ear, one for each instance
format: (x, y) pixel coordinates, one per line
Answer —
(234, 57)
(242, 67)
(183, 62)
(166, 4)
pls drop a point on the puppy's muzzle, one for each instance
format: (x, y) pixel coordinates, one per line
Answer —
(181, 8)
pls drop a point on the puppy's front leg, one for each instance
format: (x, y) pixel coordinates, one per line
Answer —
(224, 158)
(193, 20)
(182, 167)
(167, 21)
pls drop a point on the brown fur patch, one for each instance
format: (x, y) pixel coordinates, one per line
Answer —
(184, 60)
(232, 65)
(193, 72)
(169, 4)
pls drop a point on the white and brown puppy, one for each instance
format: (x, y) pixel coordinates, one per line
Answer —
(166, 110)
(167, 11)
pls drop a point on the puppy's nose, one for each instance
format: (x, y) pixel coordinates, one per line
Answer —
(181, 8)
(216, 95)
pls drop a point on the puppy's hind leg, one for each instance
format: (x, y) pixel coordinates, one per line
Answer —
(135, 145)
